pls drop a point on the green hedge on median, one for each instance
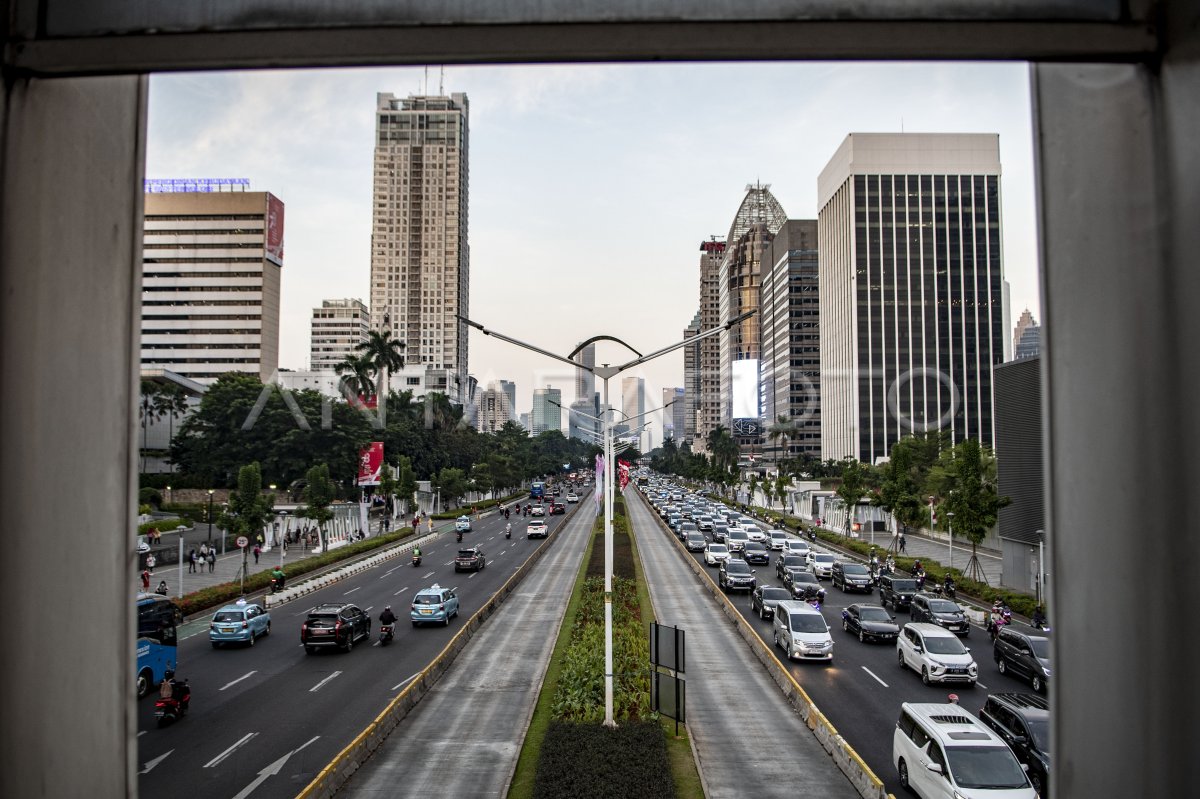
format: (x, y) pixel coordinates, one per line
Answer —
(590, 761)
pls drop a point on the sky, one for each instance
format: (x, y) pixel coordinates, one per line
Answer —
(591, 186)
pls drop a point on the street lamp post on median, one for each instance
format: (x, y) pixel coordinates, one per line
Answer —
(605, 373)
(210, 517)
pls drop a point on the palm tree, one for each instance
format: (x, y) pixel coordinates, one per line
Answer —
(355, 372)
(384, 354)
(781, 433)
(149, 408)
(171, 401)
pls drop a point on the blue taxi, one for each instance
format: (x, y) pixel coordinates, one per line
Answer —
(242, 622)
(434, 605)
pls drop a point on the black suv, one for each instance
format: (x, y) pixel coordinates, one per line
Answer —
(942, 612)
(897, 591)
(1024, 655)
(803, 584)
(338, 625)
(469, 559)
(755, 552)
(736, 575)
(1023, 721)
(785, 562)
(851, 577)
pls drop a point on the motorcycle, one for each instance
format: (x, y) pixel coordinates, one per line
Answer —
(385, 633)
(276, 585)
(508, 531)
(812, 536)
(506, 513)
(167, 711)
(460, 536)
(920, 575)
(1000, 616)
(417, 558)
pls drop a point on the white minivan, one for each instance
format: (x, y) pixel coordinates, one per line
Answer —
(941, 751)
(801, 631)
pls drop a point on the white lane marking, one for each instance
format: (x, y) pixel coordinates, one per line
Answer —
(229, 751)
(401, 591)
(317, 687)
(352, 590)
(238, 680)
(984, 687)
(430, 574)
(406, 682)
(269, 771)
(152, 763)
(881, 682)
(367, 609)
(143, 732)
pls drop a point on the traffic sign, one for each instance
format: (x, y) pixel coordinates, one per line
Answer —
(242, 541)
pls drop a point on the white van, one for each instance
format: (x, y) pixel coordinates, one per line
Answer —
(801, 632)
(943, 752)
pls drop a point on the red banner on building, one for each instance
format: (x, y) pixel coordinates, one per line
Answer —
(274, 243)
(370, 464)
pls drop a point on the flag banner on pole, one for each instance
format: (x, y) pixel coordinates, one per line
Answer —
(370, 464)
(599, 478)
(623, 472)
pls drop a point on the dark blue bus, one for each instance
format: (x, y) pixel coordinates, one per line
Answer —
(537, 490)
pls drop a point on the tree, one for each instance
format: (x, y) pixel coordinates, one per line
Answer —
(406, 481)
(782, 483)
(481, 478)
(384, 353)
(900, 490)
(318, 496)
(968, 480)
(781, 433)
(248, 510)
(148, 408)
(355, 372)
(854, 485)
(171, 401)
(452, 483)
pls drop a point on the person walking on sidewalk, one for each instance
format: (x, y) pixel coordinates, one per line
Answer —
(203, 554)
(145, 580)
(192, 561)
(212, 560)
(903, 542)
(150, 561)
(257, 552)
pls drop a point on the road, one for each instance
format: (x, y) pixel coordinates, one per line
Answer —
(265, 719)
(862, 690)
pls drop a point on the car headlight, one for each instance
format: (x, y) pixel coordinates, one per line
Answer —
(973, 669)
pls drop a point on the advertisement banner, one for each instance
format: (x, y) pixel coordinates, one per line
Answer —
(623, 472)
(370, 464)
(274, 246)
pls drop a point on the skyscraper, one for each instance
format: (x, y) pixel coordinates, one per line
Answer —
(211, 267)
(420, 265)
(547, 410)
(633, 403)
(492, 408)
(691, 382)
(910, 276)
(585, 381)
(1027, 338)
(708, 351)
(338, 326)
(510, 390)
(675, 415)
(789, 314)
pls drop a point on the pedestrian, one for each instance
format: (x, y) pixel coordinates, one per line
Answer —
(212, 560)
(257, 552)
(203, 552)
(903, 542)
(150, 561)
(429, 521)
(145, 580)
(192, 561)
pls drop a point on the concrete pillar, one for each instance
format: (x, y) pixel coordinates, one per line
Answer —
(1119, 175)
(70, 253)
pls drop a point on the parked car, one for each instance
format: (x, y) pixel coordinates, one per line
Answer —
(434, 604)
(756, 552)
(800, 631)
(776, 539)
(821, 563)
(851, 577)
(462, 524)
(1023, 721)
(764, 598)
(736, 575)
(870, 623)
(896, 591)
(715, 554)
(242, 623)
(936, 654)
(469, 559)
(537, 529)
(1023, 655)
(334, 625)
(942, 612)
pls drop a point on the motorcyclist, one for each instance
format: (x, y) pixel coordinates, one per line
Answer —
(460, 536)
(508, 531)
(387, 617)
(1038, 619)
(417, 553)
(948, 585)
(278, 576)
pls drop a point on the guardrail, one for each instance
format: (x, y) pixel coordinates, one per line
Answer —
(358, 751)
(856, 770)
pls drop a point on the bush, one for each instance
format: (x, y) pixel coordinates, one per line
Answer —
(163, 525)
(195, 513)
(588, 760)
(150, 496)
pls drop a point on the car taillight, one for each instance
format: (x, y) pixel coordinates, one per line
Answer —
(245, 625)
(442, 606)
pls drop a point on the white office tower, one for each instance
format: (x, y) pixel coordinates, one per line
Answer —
(338, 327)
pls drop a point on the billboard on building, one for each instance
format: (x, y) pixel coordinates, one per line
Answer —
(370, 464)
(745, 389)
(274, 230)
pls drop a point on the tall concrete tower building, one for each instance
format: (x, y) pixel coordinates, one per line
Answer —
(911, 281)
(420, 265)
(211, 264)
(338, 326)
(585, 381)
(547, 410)
(707, 399)
(691, 383)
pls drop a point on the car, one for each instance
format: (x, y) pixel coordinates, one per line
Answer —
(337, 624)
(462, 524)
(851, 577)
(942, 612)
(715, 554)
(1023, 721)
(1023, 655)
(736, 575)
(764, 598)
(736, 540)
(558, 509)
(776, 539)
(695, 541)
(941, 751)
(572, 498)
(434, 604)
(755, 533)
(785, 561)
(800, 631)
(870, 623)
(537, 529)
(756, 552)
(803, 584)
(720, 531)
(704, 522)
(821, 563)
(243, 623)
(537, 510)
(794, 546)
(936, 654)
(674, 520)
(469, 559)
(143, 545)
(897, 591)
(685, 529)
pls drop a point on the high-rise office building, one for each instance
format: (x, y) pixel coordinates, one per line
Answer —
(211, 264)
(492, 408)
(420, 265)
(789, 315)
(510, 390)
(633, 404)
(547, 410)
(1027, 338)
(523, 420)
(910, 276)
(757, 220)
(691, 382)
(708, 351)
(581, 422)
(675, 413)
(338, 327)
(585, 381)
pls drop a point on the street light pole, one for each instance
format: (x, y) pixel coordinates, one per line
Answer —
(950, 516)
(210, 516)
